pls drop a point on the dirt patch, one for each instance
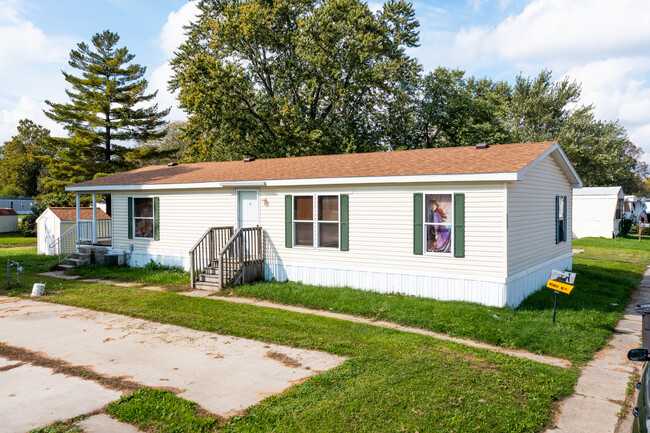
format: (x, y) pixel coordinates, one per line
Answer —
(63, 367)
(17, 245)
(284, 359)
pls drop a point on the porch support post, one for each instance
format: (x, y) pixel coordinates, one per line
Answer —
(94, 219)
(78, 218)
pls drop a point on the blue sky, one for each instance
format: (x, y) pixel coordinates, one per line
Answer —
(601, 43)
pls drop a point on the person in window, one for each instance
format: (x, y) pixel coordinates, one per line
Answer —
(439, 234)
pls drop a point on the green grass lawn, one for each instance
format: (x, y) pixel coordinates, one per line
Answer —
(161, 276)
(15, 238)
(607, 271)
(392, 381)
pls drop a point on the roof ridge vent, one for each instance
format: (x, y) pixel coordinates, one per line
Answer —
(250, 159)
(482, 146)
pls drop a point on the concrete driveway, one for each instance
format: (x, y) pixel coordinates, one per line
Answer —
(55, 343)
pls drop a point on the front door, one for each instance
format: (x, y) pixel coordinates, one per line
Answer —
(247, 209)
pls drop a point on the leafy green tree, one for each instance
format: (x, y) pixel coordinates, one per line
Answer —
(296, 77)
(537, 108)
(21, 169)
(455, 111)
(170, 148)
(108, 108)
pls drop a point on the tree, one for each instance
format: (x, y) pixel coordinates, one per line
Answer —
(107, 108)
(455, 111)
(21, 168)
(537, 108)
(170, 148)
(297, 77)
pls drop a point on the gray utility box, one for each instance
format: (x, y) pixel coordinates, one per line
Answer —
(113, 259)
(644, 310)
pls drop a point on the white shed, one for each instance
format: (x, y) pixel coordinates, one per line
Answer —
(597, 211)
(56, 221)
(8, 220)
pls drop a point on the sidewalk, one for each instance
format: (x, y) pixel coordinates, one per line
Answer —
(601, 390)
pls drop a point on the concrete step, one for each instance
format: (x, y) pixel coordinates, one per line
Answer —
(206, 286)
(77, 262)
(81, 255)
(65, 267)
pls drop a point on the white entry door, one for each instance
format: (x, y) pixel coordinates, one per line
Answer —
(247, 209)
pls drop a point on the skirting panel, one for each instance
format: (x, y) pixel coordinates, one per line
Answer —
(141, 258)
(532, 281)
(437, 287)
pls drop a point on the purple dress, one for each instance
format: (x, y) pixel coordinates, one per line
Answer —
(442, 234)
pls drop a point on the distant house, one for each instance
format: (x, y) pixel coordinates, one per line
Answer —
(8, 220)
(57, 228)
(635, 208)
(22, 205)
(479, 224)
(597, 211)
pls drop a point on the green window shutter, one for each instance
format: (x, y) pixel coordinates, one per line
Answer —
(564, 221)
(557, 219)
(288, 220)
(156, 219)
(459, 225)
(130, 216)
(418, 217)
(345, 223)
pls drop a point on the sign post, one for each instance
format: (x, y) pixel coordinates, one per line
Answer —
(561, 281)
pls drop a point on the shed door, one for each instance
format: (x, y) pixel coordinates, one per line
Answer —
(247, 209)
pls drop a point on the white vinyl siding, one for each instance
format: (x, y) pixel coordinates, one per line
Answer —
(595, 215)
(531, 217)
(8, 223)
(184, 216)
(381, 230)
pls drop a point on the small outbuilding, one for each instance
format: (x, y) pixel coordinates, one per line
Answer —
(58, 225)
(597, 211)
(8, 220)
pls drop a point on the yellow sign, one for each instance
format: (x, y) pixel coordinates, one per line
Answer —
(560, 287)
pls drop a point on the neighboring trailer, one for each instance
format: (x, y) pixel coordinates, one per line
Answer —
(8, 220)
(635, 207)
(597, 211)
(22, 205)
(483, 225)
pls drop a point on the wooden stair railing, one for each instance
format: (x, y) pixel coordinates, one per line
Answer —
(206, 250)
(242, 258)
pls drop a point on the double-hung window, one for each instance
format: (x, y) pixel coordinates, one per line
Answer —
(143, 217)
(316, 221)
(438, 223)
(560, 218)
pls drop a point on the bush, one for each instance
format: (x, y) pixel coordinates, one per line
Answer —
(28, 225)
(624, 226)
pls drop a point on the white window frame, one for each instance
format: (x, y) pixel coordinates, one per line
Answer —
(315, 221)
(562, 222)
(450, 222)
(153, 217)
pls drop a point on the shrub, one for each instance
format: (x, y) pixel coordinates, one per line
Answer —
(624, 226)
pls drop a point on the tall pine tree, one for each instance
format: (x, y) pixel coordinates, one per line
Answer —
(107, 110)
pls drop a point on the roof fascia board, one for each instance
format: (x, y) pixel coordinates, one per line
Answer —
(472, 177)
(563, 161)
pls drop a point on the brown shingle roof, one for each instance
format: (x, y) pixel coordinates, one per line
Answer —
(5, 211)
(70, 213)
(503, 158)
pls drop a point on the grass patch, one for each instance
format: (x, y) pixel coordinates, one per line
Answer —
(161, 411)
(15, 238)
(159, 275)
(392, 380)
(57, 427)
(608, 271)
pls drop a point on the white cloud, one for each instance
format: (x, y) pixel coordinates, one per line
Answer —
(170, 38)
(558, 29)
(173, 33)
(26, 108)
